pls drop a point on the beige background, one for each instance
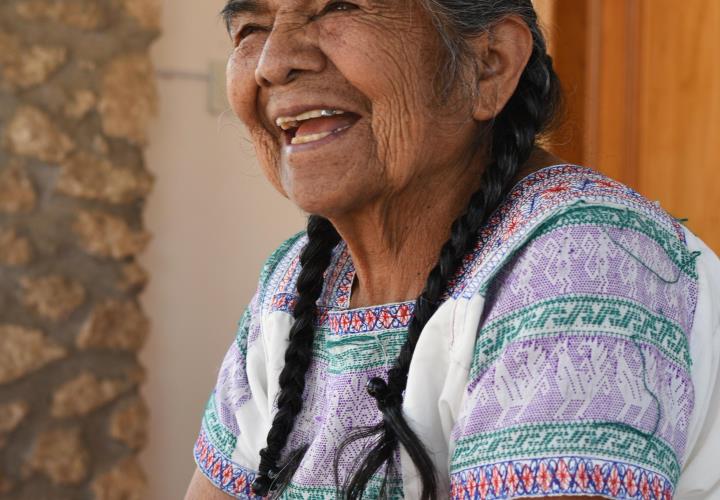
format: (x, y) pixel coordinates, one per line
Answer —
(214, 221)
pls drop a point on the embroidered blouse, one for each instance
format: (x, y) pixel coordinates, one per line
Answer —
(576, 353)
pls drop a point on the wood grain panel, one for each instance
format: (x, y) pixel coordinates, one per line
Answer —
(569, 49)
(614, 102)
(679, 119)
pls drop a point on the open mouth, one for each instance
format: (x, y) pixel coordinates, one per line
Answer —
(315, 125)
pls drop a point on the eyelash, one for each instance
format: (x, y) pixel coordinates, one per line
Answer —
(247, 30)
(330, 7)
(339, 6)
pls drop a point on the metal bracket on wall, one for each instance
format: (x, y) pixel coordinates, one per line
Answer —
(214, 78)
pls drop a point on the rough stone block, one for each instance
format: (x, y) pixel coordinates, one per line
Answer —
(148, 13)
(79, 103)
(17, 193)
(30, 132)
(129, 98)
(11, 414)
(106, 235)
(33, 65)
(81, 14)
(125, 481)
(23, 351)
(91, 177)
(54, 297)
(15, 250)
(134, 277)
(84, 394)
(61, 455)
(129, 424)
(114, 325)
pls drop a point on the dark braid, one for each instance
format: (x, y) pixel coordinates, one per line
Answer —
(514, 132)
(315, 258)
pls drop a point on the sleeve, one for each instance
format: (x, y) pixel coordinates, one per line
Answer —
(237, 415)
(580, 380)
(700, 478)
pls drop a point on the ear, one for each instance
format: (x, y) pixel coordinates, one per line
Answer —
(503, 52)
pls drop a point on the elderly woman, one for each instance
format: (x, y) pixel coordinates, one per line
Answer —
(465, 316)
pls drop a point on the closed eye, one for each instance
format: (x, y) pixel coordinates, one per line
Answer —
(337, 7)
(248, 30)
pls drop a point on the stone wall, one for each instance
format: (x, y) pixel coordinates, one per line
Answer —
(76, 92)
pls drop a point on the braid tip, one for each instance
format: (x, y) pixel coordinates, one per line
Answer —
(378, 389)
(261, 485)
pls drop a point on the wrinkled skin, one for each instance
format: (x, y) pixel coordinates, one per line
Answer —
(393, 183)
(379, 60)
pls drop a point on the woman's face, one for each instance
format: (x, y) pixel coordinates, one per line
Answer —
(354, 86)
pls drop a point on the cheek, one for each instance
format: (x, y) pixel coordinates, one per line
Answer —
(241, 86)
(243, 98)
(391, 73)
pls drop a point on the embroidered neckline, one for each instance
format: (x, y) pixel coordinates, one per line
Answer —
(529, 198)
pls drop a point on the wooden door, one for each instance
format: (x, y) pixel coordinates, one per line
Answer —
(643, 85)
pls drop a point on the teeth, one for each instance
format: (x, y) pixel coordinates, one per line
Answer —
(288, 122)
(303, 139)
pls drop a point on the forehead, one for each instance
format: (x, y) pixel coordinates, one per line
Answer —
(264, 6)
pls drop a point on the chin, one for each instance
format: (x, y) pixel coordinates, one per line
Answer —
(325, 203)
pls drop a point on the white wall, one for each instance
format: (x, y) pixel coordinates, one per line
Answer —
(214, 220)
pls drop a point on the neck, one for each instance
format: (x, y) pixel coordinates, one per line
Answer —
(395, 241)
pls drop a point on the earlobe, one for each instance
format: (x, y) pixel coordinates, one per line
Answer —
(503, 51)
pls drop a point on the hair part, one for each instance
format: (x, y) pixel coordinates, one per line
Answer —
(513, 135)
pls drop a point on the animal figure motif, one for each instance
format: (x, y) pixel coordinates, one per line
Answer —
(583, 381)
(631, 381)
(675, 396)
(600, 252)
(518, 385)
(560, 256)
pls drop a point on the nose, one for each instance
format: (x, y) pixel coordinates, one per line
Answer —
(287, 53)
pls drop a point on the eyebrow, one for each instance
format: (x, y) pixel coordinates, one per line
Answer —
(233, 7)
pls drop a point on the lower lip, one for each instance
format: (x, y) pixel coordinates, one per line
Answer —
(297, 148)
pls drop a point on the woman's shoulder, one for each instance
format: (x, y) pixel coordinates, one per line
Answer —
(563, 205)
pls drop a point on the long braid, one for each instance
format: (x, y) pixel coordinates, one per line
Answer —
(314, 259)
(514, 134)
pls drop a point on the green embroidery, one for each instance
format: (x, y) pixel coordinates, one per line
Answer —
(625, 219)
(356, 352)
(606, 440)
(241, 337)
(612, 317)
(362, 352)
(272, 262)
(220, 437)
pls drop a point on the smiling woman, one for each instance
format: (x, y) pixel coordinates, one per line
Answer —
(465, 316)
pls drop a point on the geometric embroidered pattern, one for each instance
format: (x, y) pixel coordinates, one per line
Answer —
(587, 314)
(596, 439)
(567, 475)
(227, 475)
(626, 219)
(342, 322)
(222, 438)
